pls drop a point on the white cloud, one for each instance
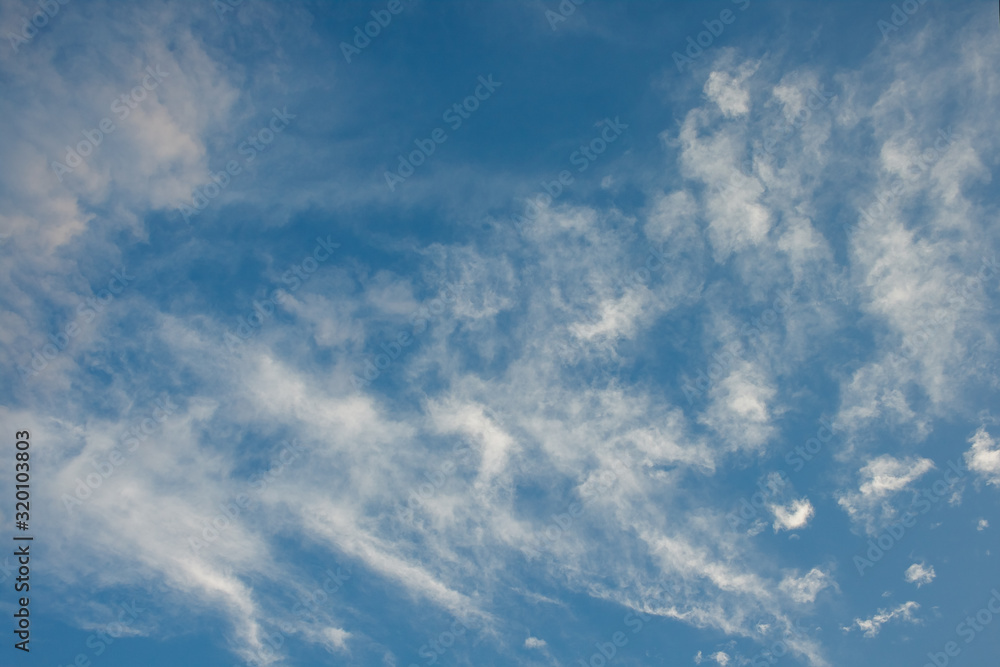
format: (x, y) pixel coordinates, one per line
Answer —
(336, 638)
(881, 478)
(721, 657)
(516, 369)
(984, 456)
(920, 574)
(804, 589)
(736, 217)
(741, 408)
(871, 626)
(727, 92)
(793, 516)
(886, 475)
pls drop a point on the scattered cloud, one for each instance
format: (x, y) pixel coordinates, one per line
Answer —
(880, 479)
(804, 589)
(871, 626)
(920, 574)
(793, 516)
(984, 456)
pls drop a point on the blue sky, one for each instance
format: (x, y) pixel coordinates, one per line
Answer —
(508, 333)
